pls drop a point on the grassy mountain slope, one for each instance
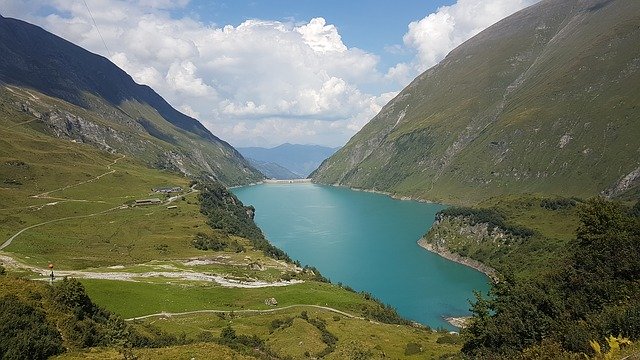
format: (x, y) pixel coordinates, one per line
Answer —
(77, 95)
(546, 100)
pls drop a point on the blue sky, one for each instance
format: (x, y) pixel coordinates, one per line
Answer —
(262, 73)
(369, 25)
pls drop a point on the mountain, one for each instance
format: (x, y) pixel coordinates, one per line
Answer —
(273, 170)
(546, 100)
(300, 159)
(77, 95)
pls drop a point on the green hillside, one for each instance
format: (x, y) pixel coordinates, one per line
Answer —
(63, 90)
(545, 101)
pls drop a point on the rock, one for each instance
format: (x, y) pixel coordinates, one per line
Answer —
(271, 302)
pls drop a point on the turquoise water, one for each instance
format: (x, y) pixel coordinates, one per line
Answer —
(367, 241)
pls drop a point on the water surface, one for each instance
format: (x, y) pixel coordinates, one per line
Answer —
(367, 241)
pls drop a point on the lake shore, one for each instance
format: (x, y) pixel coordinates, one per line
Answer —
(459, 322)
(393, 196)
(474, 264)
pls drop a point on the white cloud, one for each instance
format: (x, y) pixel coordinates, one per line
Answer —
(438, 33)
(261, 79)
(261, 82)
(320, 36)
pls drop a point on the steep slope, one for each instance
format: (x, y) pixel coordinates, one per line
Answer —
(273, 170)
(300, 159)
(546, 100)
(102, 105)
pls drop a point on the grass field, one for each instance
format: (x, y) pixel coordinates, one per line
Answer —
(356, 338)
(132, 299)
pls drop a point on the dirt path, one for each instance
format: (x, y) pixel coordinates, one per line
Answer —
(45, 195)
(243, 311)
(8, 242)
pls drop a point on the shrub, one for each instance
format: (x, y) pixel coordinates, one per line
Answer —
(25, 332)
(412, 349)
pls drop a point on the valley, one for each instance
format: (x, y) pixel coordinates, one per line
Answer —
(137, 261)
(489, 209)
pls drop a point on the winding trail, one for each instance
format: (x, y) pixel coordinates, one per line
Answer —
(8, 242)
(45, 195)
(168, 314)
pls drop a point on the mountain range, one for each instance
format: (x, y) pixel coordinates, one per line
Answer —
(299, 159)
(544, 101)
(76, 95)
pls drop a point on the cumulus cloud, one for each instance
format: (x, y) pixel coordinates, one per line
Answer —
(434, 36)
(261, 79)
(261, 82)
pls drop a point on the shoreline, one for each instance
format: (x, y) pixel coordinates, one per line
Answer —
(393, 196)
(490, 272)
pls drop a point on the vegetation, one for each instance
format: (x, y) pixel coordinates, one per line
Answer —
(487, 120)
(226, 212)
(594, 295)
(507, 219)
(216, 242)
(25, 332)
(491, 217)
(38, 321)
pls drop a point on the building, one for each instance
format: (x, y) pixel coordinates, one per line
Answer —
(167, 190)
(144, 202)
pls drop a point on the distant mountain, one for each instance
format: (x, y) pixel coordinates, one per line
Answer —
(300, 159)
(272, 170)
(546, 101)
(77, 95)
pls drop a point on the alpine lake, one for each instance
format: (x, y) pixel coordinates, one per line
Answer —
(367, 241)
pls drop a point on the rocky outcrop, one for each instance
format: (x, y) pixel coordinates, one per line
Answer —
(445, 253)
(452, 237)
(627, 182)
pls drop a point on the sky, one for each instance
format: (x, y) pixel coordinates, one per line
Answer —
(266, 72)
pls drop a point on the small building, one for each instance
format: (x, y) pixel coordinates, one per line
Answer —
(167, 190)
(172, 207)
(145, 202)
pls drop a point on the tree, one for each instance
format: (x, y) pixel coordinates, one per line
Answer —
(25, 332)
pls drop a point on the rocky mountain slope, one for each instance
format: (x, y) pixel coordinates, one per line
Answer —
(546, 100)
(73, 94)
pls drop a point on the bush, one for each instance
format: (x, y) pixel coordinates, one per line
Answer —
(557, 204)
(447, 338)
(25, 332)
(493, 218)
(412, 349)
(204, 241)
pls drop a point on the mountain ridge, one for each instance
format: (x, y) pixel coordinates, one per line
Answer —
(118, 113)
(297, 158)
(513, 109)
